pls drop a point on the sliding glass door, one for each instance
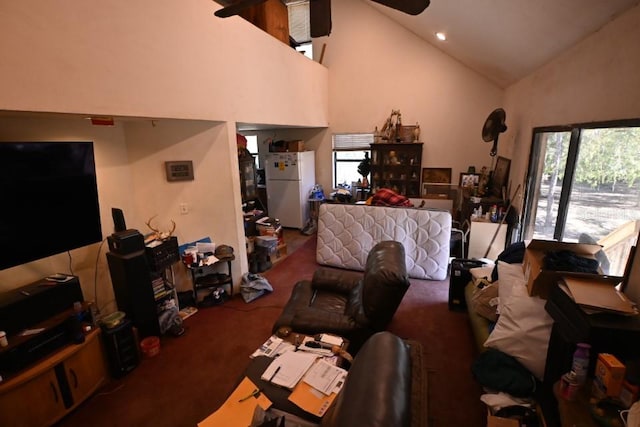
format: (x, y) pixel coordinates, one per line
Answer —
(584, 186)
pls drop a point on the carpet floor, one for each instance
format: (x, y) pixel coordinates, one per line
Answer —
(193, 374)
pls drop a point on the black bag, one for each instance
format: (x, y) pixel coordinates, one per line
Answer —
(498, 371)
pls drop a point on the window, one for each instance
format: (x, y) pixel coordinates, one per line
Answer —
(348, 151)
(252, 146)
(300, 26)
(584, 186)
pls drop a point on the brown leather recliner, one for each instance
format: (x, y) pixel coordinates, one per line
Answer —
(347, 303)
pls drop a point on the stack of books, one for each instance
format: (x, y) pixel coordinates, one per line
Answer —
(159, 289)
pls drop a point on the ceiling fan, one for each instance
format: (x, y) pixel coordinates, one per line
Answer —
(320, 11)
(493, 127)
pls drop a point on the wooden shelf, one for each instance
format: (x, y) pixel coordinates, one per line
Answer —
(397, 167)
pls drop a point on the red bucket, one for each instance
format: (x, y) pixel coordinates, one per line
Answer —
(150, 346)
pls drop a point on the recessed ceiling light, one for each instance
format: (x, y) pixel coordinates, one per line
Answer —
(441, 36)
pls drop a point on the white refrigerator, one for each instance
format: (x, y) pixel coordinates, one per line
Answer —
(290, 179)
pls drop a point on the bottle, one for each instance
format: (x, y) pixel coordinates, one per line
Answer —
(76, 323)
(569, 386)
(494, 213)
(580, 363)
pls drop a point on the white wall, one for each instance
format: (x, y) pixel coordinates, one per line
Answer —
(153, 58)
(131, 175)
(212, 198)
(596, 80)
(376, 66)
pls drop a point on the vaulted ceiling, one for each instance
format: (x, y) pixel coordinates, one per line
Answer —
(504, 40)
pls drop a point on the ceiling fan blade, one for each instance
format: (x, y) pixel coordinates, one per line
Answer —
(236, 8)
(411, 7)
(320, 17)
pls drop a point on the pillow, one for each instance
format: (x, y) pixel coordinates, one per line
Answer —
(511, 279)
(522, 331)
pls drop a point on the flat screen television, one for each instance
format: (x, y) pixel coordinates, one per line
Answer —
(49, 199)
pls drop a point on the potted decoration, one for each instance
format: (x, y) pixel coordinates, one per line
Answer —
(364, 168)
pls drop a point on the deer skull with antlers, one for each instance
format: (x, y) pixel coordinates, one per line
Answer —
(161, 235)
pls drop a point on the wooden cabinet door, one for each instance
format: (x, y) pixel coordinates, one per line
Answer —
(248, 185)
(34, 403)
(86, 370)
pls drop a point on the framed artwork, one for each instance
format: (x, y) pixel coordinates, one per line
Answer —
(179, 170)
(438, 191)
(436, 175)
(500, 177)
(469, 180)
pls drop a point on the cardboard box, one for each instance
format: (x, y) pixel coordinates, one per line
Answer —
(295, 146)
(597, 293)
(539, 280)
(279, 253)
(269, 242)
(493, 421)
(609, 374)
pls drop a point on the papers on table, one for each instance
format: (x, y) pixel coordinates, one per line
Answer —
(272, 347)
(311, 373)
(598, 296)
(325, 377)
(287, 369)
(319, 388)
(275, 346)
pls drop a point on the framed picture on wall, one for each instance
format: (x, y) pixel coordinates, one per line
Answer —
(469, 180)
(500, 178)
(436, 175)
(179, 170)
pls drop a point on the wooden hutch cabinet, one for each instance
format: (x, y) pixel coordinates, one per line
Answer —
(248, 184)
(397, 167)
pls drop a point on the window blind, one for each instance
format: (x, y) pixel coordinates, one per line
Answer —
(299, 23)
(352, 141)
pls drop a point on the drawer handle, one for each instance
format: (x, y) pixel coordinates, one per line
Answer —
(75, 378)
(55, 392)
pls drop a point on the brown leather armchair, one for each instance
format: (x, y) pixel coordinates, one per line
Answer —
(347, 303)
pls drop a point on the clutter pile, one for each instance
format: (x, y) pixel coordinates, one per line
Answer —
(267, 246)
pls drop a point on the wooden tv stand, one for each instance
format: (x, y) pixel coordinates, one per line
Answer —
(45, 392)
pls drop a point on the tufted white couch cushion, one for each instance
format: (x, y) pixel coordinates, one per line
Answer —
(346, 233)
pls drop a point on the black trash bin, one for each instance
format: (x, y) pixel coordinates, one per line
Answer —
(460, 277)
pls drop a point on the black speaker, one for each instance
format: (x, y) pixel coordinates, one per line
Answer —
(131, 280)
(118, 220)
(126, 242)
(121, 347)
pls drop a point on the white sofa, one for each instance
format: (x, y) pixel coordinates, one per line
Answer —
(347, 232)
